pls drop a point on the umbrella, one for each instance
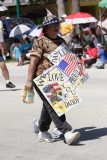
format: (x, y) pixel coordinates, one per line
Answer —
(3, 8)
(80, 17)
(103, 4)
(19, 30)
(36, 32)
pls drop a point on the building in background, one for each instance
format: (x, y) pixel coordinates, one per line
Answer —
(37, 11)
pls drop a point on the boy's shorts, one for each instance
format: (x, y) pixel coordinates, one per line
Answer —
(1, 58)
(18, 58)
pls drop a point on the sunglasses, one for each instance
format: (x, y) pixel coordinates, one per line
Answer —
(54, 25)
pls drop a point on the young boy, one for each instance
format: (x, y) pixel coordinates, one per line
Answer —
(18, 52)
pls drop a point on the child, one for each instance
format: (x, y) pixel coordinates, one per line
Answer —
(18, 52)
(85, 54)
(26, 47)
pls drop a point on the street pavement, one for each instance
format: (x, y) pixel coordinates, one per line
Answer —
(17, 140)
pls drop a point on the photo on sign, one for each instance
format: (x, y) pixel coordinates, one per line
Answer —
(58, 92)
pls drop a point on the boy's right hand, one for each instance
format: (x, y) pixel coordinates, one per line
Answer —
(29, 85)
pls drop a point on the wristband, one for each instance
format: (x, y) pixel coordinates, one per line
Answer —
(29, 80)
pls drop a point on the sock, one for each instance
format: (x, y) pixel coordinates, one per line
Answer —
(7, 81)
(4, 57)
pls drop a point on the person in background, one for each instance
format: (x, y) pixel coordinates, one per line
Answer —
(102, 55)
(76, 46)
(4, 69)
(84, 56)
(18, 52)
(101, 29)
(85, 36)
(34, 39)
(92, 52)
(26, 47)
(93, 36)
(2, 40)
(66, 29)
(39, 63)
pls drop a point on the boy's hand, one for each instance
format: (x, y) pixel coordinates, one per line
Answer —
(29, 85)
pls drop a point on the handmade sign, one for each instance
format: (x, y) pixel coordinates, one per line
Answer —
(69, 65)
(59, 92)
(59, 53)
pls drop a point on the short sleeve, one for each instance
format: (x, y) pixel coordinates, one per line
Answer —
(37, 48)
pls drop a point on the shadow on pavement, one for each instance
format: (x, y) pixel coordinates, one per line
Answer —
(10, 90)
(91, 133)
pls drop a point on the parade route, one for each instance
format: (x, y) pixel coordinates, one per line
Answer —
(17, 140)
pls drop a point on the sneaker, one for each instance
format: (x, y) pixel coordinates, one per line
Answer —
(10, 85)
(56, 133)
(71, 137)
(35, 126)
(45, 137)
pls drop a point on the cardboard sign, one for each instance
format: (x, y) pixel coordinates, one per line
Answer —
(58, 92)
(69, 65)
(59, 53)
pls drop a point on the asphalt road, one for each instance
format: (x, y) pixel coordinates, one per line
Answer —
(17, 140)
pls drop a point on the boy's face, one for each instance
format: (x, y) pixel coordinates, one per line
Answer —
(17, 44)
(75, 40)
(84, 52)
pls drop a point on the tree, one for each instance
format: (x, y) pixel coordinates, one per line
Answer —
(61, 8)
(76, 8)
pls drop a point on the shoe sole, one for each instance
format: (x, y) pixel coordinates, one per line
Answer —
(42, 140)
(74, 138)
(57, 136)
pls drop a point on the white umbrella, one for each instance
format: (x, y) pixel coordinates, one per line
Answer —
(36, 32)
(19, 30)
(2, 7)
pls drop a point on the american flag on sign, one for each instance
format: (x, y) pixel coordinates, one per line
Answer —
(49, 13)
(80, 66)
(68, 64)
(54, 86)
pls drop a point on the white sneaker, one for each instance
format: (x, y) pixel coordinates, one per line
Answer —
(56, 133)
(71, 137)
(35, 126)
(45, 136)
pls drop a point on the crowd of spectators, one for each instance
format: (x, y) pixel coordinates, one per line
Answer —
(90, 45)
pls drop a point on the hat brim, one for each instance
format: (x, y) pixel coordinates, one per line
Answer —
(44, 25)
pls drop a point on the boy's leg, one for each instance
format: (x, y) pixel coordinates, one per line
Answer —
(23, 57)
(45, 119)
(48, 115)
(60, 122)
(5, 71)
(20, 60)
